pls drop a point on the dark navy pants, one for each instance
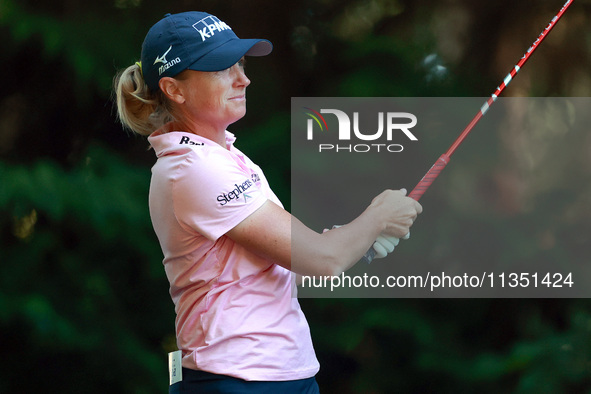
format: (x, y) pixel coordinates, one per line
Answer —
(208, 383)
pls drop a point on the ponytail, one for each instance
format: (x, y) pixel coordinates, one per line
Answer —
(139, 109)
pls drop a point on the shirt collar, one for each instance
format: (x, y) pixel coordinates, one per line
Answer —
(165, 137)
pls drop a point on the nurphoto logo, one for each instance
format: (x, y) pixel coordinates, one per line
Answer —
(389, 124)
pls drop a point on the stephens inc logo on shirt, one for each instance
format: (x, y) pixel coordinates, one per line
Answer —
(236, 193)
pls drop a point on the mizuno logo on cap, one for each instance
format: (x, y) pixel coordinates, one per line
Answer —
(207, 27)
(162, 59)
(166, 64)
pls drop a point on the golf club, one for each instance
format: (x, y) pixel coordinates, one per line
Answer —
(443, 160)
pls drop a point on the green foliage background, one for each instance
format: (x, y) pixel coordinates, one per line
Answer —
(84, 304)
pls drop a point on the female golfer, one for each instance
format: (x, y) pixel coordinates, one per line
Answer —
(229, 247)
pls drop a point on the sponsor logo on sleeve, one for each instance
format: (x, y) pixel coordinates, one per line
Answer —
(237, 193)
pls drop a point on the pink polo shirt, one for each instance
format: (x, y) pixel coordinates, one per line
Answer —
(235, 311)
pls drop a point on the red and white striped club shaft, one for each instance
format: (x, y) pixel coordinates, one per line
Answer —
(440, 164)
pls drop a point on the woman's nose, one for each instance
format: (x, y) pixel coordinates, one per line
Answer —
(240, 75)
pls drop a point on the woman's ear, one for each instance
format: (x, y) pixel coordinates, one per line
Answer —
(171, 89)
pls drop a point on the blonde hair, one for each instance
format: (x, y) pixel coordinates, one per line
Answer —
(139, 109)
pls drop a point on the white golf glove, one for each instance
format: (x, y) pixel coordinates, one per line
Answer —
(386, 244)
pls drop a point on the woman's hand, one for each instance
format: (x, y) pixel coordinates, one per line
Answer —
(395, 211)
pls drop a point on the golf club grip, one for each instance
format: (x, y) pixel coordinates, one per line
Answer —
(369, 255)
(417, 193)
(429, 177)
